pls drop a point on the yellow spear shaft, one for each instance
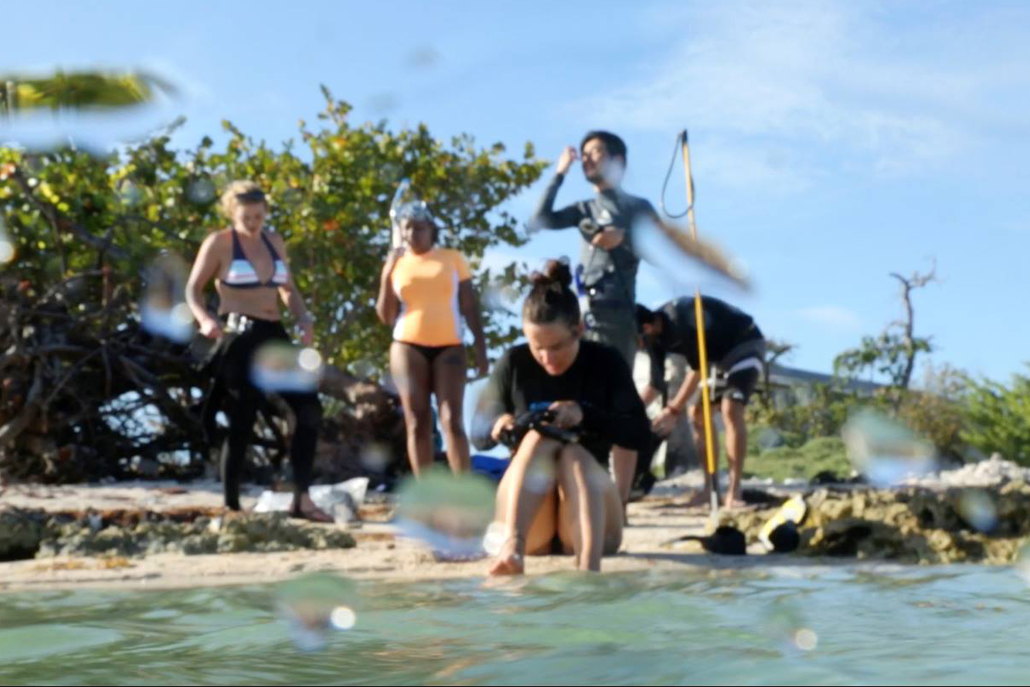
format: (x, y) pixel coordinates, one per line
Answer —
(706, 403)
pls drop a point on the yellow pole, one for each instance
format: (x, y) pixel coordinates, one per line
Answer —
(706, 402)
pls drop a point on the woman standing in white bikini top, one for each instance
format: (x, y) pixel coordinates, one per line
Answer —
(251, 273)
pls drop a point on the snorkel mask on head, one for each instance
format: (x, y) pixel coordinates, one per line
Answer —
(416, 211)
(406, 205)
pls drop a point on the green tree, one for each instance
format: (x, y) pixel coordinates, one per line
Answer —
(892, 353)
(85, 228)
(998, 417)
(70, 211)
(937, 410)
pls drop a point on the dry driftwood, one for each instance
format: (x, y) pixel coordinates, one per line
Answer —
(75, 385)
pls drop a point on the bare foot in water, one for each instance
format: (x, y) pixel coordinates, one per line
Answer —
(306, 508)
(510, 559)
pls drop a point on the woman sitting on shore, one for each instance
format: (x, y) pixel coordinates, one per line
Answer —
(556, 495)
(251, 273)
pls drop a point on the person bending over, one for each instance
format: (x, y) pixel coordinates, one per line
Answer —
(735, 349)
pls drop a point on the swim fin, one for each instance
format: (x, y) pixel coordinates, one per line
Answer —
(726, 540)
(780, 534)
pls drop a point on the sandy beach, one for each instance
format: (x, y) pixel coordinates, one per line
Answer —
(380, 552)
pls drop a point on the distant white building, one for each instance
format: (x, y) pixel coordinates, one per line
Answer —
(793, 386)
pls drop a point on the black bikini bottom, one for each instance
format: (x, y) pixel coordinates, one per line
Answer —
(430, 353)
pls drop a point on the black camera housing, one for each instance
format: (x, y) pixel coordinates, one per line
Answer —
(539, 420)
(589, 226)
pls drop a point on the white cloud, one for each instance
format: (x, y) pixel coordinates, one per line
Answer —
(841, 85)
(833, 316)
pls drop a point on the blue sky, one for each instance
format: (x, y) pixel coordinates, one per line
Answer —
(832, 142)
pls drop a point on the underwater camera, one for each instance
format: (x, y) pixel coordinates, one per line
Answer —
(538, 418)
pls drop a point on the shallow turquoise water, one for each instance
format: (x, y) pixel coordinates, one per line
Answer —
(950, 625)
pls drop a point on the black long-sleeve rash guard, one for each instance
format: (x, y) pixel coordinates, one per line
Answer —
(599, 381)
(725, 328)
(613, 272)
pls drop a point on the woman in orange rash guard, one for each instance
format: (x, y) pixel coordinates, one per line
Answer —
(424, 292)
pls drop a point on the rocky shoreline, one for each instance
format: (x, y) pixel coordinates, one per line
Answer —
(977, 514)
(133, 533)
(910, 525)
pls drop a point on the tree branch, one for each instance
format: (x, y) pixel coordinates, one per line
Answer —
(53, 216)
(12, 429)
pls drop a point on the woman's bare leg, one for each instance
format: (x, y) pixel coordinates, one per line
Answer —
(589, 508)
(520, 496)
(544, 525)
(449, 387)
(412, 376)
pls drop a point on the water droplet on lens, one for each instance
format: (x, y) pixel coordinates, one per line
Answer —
(805, 639)
(200, 191)
(541, 476)
(684, 262)
(1023, 562)
(501, 297)
(977, 508)
(164, 311)
(280, 366)
(450, 513)
(7, 247)
(423, 57)
(886, 452)
(493, 540)
(784, 623)
(375, 457)
(405, 200)
(769, 438)
(363, 369)
(314, 605)
(382, 103)
(129, 193)
(309, 360)
(343, 618)
(91, 109)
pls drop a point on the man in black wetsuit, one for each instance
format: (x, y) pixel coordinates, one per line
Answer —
(606, 277)
(735, 349)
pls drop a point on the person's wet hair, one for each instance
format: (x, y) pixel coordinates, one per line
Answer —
(615, 146)
(551, 299)
(644, 316)
(241, 192)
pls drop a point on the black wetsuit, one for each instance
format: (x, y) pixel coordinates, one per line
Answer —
(609, 276)
(735, 346)
(230, 364)
(599, 381)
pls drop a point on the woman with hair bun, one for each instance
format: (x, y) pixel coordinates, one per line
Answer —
(556, 495)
